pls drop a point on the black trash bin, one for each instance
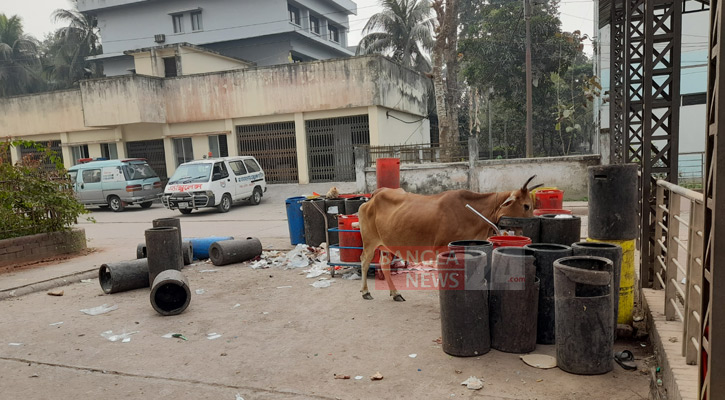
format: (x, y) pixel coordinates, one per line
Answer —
(480, 245)
(546, 254)
(584, 340)
(529, 227)
(464, 308)
(313, 215)
(513, 300)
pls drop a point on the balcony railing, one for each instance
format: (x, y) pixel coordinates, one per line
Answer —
(678, 264)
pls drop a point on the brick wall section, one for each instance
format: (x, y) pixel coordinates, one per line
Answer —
(38, 247)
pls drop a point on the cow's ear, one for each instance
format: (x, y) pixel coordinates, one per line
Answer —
(509, 201)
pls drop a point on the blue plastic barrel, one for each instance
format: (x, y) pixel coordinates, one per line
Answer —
(295, 222)
(200, 246)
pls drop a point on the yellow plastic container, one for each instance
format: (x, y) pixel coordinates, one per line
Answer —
(626, 282)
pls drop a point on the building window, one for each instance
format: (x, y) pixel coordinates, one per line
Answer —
(183, 150)
(334, 33)
(196, 21)
(79, 152)
(218, 146)
(108, 151)
(178, 23)
(294, 14)
(170, 67)
(314, 25)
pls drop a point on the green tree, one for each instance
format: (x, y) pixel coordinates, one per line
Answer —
(402, 31)
(69, 47)
(20, 67)
(493, 47)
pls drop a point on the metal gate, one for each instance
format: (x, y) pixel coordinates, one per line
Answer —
(53, 145)
(153, 152)
(330, 147)
(274, 146)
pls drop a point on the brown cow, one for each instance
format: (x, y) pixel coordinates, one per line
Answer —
(394, 218)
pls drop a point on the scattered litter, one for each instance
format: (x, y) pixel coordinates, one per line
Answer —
(121, 336)
(458, 371)
(283, 287)
(34, 376)
(377, 377)
(673, 339)
(412, 355)
(359, 377)
(659, 382)
(86, 280)
(300, 257)
(212, 336)
(317, 269)
(208, 270)
(261, 264)
(683, 281)
(473, 383)
(56, 323)
(353, 276)
(563, 216)
(539, 361)
(102, 309)
(55, 293)
(341, 376)
(15, 344)
(439, 340)
(200, 291)
(238, 397)
(265, 312)
(638, 318)
(643, 344)
(321, 284)
(236, 306)
(539, 380)
(180, 336)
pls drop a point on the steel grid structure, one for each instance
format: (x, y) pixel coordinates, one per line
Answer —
(617, 72)
(712, 385)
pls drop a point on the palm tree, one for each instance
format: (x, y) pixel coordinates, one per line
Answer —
(19, 60)
(72, 44)
(403, 31)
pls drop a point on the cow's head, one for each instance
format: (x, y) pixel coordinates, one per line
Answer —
(519, 203)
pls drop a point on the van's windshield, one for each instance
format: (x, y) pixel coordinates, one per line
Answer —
(138, 171)
(190, 173)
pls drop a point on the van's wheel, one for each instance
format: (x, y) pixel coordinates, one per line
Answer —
(146, 204)
(115, 203)
(225, 204)
(256, 196)
(185, 211)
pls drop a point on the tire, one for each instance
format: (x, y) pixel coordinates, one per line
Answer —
(256, 196)
(185, 211)
(146, 204)
(225, 204)
(115, 203)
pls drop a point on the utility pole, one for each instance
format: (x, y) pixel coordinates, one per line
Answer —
(529, 107)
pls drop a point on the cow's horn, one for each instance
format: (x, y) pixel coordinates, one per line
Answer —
(523, 188)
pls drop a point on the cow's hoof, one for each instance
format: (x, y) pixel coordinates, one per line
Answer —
(398, 297)
(367, 296)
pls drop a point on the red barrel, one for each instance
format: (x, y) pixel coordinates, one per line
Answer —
(349, 239)
(545, 211)
(551, 199)
(388, 172)
(509, 241)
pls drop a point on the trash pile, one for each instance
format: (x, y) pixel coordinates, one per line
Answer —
(302, 256)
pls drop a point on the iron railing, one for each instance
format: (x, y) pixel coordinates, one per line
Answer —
(418, 153)
(679, 227)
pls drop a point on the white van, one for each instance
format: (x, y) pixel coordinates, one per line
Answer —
(214, 182)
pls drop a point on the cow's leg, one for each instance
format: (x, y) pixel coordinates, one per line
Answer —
(385, 262)
(367, 256)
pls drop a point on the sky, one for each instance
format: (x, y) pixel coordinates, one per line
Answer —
(575, 15)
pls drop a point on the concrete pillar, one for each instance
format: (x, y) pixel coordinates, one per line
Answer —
(94, 150)
(120, 143)
(200, 147)
(374, 123)
(65, 150)
(14, 154)
(303, 171)
(168, 150)
(232, 143)
(472, 159)
(605, 147)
